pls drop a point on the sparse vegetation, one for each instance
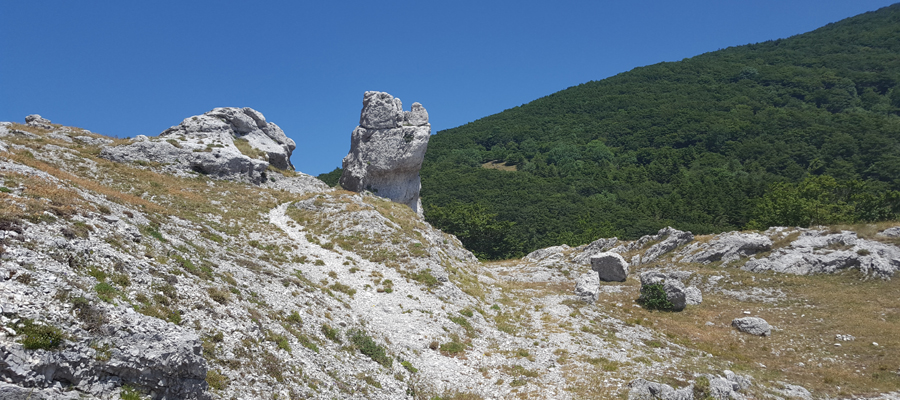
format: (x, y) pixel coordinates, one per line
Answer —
(366, 345)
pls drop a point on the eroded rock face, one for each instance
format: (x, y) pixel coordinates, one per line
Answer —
(727, 247)
(38, 121)
(143, 351)
(387, 149)
(208, 144)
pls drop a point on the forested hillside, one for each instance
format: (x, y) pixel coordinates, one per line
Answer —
(796, 131)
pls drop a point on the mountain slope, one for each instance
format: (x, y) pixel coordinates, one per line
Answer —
(697, 144)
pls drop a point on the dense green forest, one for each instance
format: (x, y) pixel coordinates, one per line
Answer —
(797, 131)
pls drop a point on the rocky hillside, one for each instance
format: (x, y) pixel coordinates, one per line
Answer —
(126, 274)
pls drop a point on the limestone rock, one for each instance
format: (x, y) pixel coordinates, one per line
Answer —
(592, 249)
(692, 296)
(817, 251)
(206, 144)
(610, 267)
(891, 232)
(667, 239)
(37, 121)
(586, 287)
(146, 352)
(752, 325)
(727, 247)
(675, 290)
(386, 153)
(642, 389)
(547, 254)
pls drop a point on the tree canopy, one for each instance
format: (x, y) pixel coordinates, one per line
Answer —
(796, 131)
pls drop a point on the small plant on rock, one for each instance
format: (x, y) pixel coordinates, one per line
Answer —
(367, 346)
(40, 336)
(653, 297)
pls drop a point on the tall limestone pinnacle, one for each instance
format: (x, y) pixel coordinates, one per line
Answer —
(387, 149)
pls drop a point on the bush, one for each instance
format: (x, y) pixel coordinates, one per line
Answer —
(653, 297)
(702, 389)
(367, 346)
(40, 336)
(332, 334)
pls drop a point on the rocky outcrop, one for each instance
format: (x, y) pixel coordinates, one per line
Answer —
(160, 358)
(587, 287)
(37, 121)
(817, 251)
(548, 255)
(594, 248)
(752, 325)
(729, 386)
(610, 267)
(387, 149)
(890, 232)
(664, 241)
(727, 247)
(225, 143)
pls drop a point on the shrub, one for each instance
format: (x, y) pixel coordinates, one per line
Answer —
(453, 348)
(105, 291)
(702, 389)
(332, 334)
(653, 297)
(367, 346)
(216, 380)
(129, 393)
(40, 336)
(409, 367)
(425, 277)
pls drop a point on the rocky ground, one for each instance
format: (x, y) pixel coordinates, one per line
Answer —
(134, 278)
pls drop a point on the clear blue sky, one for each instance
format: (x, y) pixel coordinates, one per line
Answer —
(125, 68)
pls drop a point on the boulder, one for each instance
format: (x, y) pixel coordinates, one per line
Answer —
(587, 287)
(752, 325)
(610, 267)
(37, 121)
(675, 290)
(692, 296)
(727, 247)
(387, 149)
(594, 248)
(208, 144)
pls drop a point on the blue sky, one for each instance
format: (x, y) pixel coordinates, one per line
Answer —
(127, 68)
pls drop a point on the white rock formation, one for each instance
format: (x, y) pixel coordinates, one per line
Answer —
(610, 267)
(675, 290)
(387, 149)
(206, 144)
(752, 325)
(727, 247)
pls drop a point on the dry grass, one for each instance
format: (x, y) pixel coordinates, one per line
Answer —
(499, 165)
(807, 320)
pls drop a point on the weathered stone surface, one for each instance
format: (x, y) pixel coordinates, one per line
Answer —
(675, 290)
(891, 232)
(610, 267)
(144, 351)
(548, 254)
(727, 247)
(692, 296)
(385, 153)
(752, 325)
(667, 239)
(206, 144)
(586, 287)
(594, 248)
(817, 251)
(37, 121)
(642, 389)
